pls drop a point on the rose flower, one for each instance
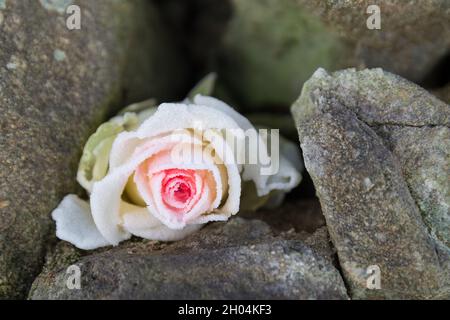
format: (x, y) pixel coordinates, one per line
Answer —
(163, 173)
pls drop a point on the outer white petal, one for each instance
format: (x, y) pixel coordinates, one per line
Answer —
(231, 205)
(168, 118)
(106, 194)
(289, 164)
(172, 117)
(141, 223)
(251, 171)
(242, 121)
(74, 224)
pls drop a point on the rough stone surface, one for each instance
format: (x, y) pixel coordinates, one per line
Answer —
(56, 86)
(270, 47)
(377, 149)
(403, 45)
(424, 155)
(241, 259)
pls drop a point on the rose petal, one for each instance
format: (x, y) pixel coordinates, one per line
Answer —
(74, 224)
(224, 152)
(107, 194)
(174, 117)
(164, 161)
(290, 166)
(168, 118)
(171, 218)
(286, 178)
(141, 223)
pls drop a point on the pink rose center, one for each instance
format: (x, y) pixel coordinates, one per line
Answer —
(174, 194)
(178, 188)
(182, 193)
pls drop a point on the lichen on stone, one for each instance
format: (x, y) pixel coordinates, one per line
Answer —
(59, 6)
(59, 55)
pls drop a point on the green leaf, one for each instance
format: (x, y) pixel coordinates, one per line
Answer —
(205, 87)
(249, 197)
(94, 162)
(139, 107)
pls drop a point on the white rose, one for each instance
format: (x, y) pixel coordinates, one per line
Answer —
(144, 190)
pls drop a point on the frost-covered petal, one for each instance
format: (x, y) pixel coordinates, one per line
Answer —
(288, 175)
(74, 223)
(173, 219)
(252, 171)
(289, 161)
(141, 223)
(225, 153)
(170, 117)
(146, 107)
(106, 194)
(202, 161)
(94, 161)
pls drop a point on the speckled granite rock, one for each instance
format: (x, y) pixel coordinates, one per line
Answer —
(377, 149)
(240, 259)
(56, 86)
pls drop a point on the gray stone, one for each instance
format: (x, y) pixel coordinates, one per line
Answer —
(424, 156)
(270, 47)
(377, 149)
(240, 259)
(403, 45)
(56, 86)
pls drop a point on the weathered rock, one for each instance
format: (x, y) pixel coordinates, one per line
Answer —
(240, 259)
(403, 44)
(271, 47)
(377, 149)
(424, 155)
(56, 86)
